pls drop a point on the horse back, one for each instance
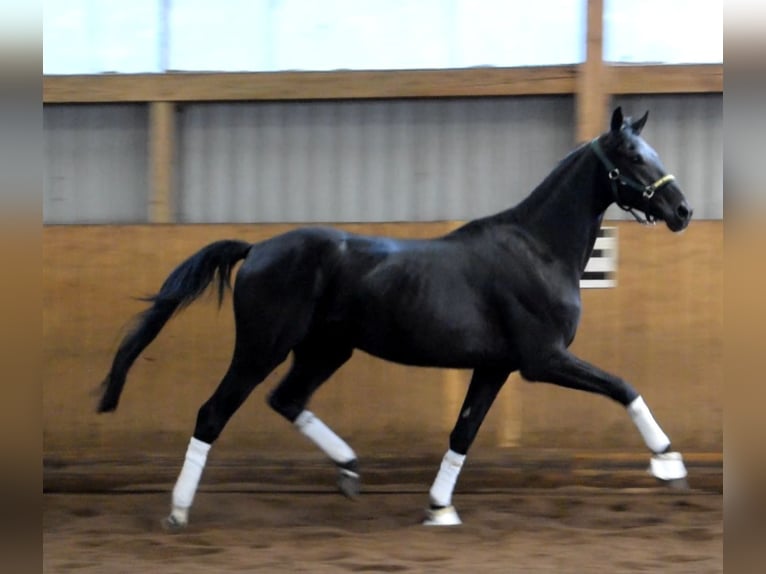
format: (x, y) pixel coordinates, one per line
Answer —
(449, 301)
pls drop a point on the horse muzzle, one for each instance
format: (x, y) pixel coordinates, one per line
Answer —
(679, 217)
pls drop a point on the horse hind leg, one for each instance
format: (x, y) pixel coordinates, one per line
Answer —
(313, 364)
(271, 319)
(244, 374)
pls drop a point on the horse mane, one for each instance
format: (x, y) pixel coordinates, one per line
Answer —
(538, 196)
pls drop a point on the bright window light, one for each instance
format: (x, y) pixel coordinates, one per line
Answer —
(663, 31)
(98, 36)
(102, 36)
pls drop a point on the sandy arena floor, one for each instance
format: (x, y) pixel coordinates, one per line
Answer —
(571, 529)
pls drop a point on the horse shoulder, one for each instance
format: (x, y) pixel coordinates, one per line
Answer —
(532, 290)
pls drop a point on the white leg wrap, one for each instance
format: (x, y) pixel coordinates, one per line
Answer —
(444, 483)
(188, 480)
(655, 439)
(668, 466)
(322, 436)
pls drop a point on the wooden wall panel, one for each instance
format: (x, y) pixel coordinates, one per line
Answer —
(661, 329)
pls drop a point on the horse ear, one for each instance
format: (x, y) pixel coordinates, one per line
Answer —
(617, 120)
(638, 125)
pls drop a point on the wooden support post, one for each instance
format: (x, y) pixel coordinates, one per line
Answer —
(509, 429)
(161, 161)
(455, 387)
(592, 96)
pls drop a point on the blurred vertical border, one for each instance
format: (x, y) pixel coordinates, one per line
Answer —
(20, 277)
(745, 284)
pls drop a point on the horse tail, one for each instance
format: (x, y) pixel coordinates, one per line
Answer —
(185, 284)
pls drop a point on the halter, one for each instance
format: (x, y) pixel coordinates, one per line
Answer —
(615, 177)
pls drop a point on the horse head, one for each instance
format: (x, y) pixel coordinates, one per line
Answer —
(637, 177)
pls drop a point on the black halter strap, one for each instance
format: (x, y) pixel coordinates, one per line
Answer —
(615, 177)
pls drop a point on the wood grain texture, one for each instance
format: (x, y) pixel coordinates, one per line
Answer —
(661, 329)
(659, 79)
(591, 97)
(161, 161)
(477, 82)
(184, 87)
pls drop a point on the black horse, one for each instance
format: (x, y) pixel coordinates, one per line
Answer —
(499, 294)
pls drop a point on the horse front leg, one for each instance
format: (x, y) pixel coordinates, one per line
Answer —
(484, 386)
(564, 369)
(315, 361)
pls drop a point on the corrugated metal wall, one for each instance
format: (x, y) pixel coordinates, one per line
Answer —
(367, 160)
(96, 163)
(393, 160)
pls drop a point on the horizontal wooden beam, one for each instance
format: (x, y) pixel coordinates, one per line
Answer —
(659, 79)
(184, 87)
(474, 82)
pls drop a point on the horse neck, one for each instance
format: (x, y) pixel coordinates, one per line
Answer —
(565, 211)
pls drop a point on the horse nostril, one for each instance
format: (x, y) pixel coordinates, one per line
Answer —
(683, 211)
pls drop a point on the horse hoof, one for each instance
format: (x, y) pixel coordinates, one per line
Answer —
(173, 524)
(349, 483)
(668, 467)
(443, 516)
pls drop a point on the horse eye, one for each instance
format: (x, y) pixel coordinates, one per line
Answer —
(637, 159)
